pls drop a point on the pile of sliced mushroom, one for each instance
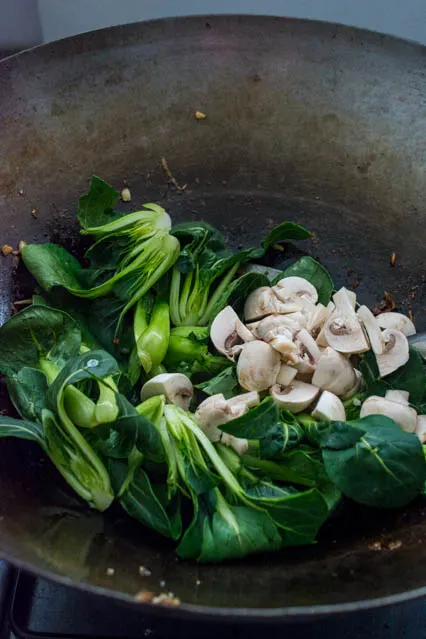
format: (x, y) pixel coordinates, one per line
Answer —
(301, 353)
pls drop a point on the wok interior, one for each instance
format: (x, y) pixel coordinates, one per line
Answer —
(315, 123)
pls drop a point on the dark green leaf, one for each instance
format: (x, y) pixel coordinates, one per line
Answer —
(221, 532)
(225, 382)
(21, 429)
(315, 273)
(237, 292)
(256, 423)
(52, 265)
(410, 377)
(97, 206)
(27, 390)
(285, 232)
(142, 502)
(37, 333)
(385, 468)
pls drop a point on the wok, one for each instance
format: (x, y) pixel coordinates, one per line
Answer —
(313, 122)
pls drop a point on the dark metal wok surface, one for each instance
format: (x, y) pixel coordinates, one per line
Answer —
(316, 123)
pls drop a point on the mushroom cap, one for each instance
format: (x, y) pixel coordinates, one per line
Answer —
(249, 400)
(273, 325)
(296, 397)
(212, 412)
(421, 428)
(344, 333)
(228, 331)
(176, 387)
(372, 327)
(329, 408)
(400, 396)
(286, 375)
(334, 373)
(309, 354)
(395, 352)
(295, 290)
(262, 301)
(397, 320)
(405, 416)
(257, 366)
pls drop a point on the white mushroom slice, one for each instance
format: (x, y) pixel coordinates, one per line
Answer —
(421, 428)
(397, 320)
(258, 366)
(343, 331)
(249, 400)
(295, 290)
(275, 325)
(317, 319)
(216, 410)
(405, 416)
(309, 353)
(252, 326)
(329, 408)
(334, 373)
(236, 443)
(284, 345)
(372, 327)
(355, 388)
(395, 352)
(296, 397)
(352, 297)
(321, 341)
(299, 317)
(262, 302)
(286, 375)
(228, 331)
(400, 396)
(176, 388)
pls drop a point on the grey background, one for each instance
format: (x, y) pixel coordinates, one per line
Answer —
(27, 22)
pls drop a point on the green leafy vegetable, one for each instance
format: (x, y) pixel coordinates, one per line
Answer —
(373, 461)
(202, 276)
(152, 337)
(188, 352)
(225, 382)
(411, 377)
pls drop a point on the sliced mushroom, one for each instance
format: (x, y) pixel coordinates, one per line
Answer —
(252, 326)
(236, 443)
(397, 320)
(286, 375)
(343, 330)
(421, 428)
(352, 297)
(176, 388)
(405, 416)
(329, 408)
(372, 327)
(227, 331)
(400, 396)
(317, 319)
(216, 410)
(355, 388)
(296, 397)
(258, 366)
(262, 302)
(275, 325)
(296, 290)
(395, 352)
(309, 353)
(249, 400)
(321, 341)
(334, 373)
